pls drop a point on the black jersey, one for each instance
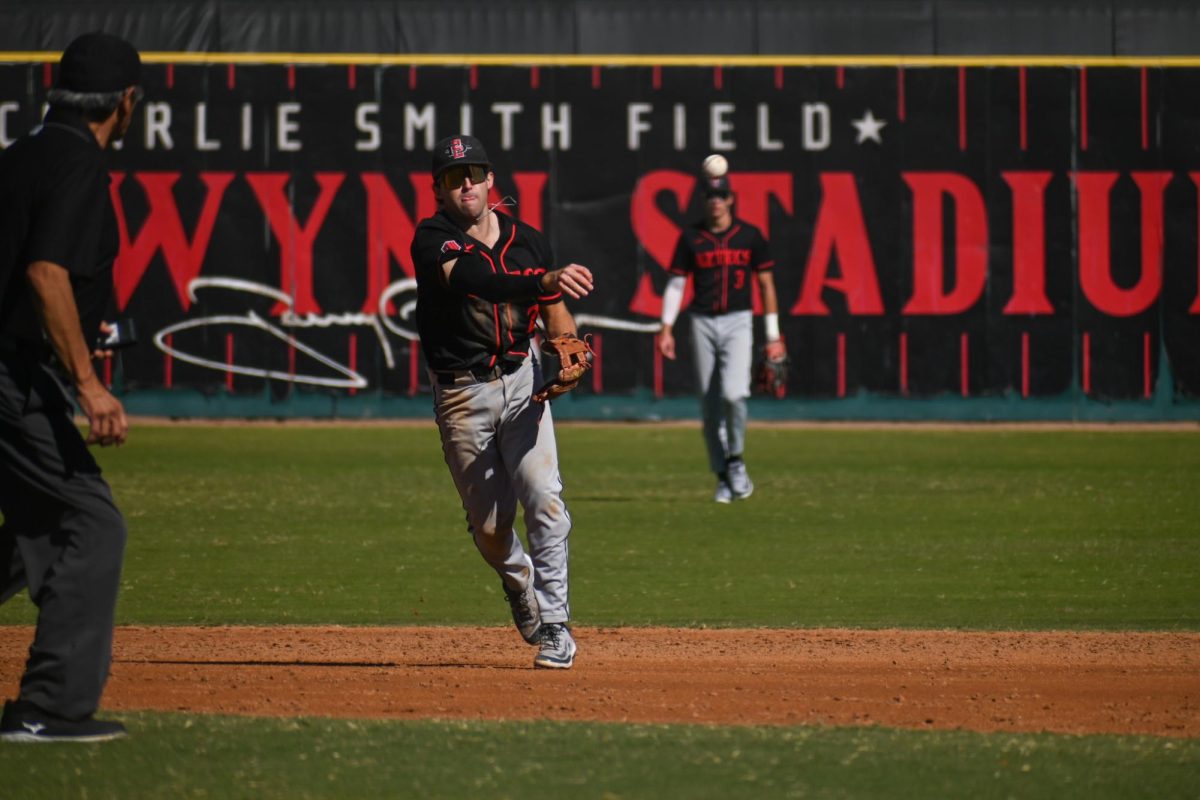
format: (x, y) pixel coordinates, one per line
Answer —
(55, 206)
(721, 265)
(464, 332)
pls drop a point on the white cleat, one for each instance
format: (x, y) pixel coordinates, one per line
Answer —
(739, 481)
(557, 647)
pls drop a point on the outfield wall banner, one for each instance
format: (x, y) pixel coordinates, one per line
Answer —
(939, 231)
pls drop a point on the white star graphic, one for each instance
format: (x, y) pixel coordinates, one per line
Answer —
(869, 128)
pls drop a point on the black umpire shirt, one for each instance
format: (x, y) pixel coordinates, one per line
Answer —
(55, 206)
(464, 332)
(721, 265)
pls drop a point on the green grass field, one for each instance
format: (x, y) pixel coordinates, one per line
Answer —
(985, 529)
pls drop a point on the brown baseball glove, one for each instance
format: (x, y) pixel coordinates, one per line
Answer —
(574, 360)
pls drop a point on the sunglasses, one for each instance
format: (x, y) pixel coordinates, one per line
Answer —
(722, 195)
(453, 177)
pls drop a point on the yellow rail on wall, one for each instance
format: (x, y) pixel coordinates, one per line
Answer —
(533, 59)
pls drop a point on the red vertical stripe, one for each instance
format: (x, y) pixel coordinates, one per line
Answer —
(656, 77)
(414, 358)
(108, 372)
(901, 100)
(1024, 365)
(597, 342)
(718, 78)
(1147, 379)
(841, 365)
(658, 371)
(1195, 309)
(904, 364)
(170, 76)
(778, 77)
(962, 108)
(1145, 114)
(231, 76)
(412, 78)
(47, 75)
(1083, 109)
(964, 357)
(229, 361)
(1024, 111)
(353, 358)
(291, 73)
(1087, 364)
(596, 77)
(474, 73)
(535, 77)
(841, 77)
(168, 363)
(352, 76)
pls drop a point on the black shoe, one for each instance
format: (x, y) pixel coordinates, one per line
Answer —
(25, 722)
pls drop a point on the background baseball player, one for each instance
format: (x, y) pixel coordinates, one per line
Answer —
(721, 253)
(483, 280)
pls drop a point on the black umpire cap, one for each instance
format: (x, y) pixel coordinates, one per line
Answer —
(99, 63)
(458, 149)
(716, 186)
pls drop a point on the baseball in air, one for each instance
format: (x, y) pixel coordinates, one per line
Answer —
(715, 166)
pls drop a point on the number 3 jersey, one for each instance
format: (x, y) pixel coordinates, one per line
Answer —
(721, 265)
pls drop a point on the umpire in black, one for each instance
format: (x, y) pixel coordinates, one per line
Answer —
(62, 536)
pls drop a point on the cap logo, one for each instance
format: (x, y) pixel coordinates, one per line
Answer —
(458, 149)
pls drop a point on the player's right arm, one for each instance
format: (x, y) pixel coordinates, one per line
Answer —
(672, 299)
(441, 254)
(471, 274)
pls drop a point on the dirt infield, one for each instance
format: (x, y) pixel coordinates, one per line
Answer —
(1127, 683)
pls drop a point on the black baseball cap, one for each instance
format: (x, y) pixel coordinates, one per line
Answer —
(99, 63)
(716, 185)
(458, 149)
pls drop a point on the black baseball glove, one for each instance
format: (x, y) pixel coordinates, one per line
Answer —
(770, 376)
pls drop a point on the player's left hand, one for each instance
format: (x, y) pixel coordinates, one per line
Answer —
(776, 350)
(574, 357)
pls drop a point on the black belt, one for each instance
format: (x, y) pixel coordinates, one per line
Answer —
(458, 377)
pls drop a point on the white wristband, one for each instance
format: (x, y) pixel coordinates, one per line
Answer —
(672, 299)
(771, 327)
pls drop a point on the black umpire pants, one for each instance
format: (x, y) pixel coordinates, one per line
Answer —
(62, 537)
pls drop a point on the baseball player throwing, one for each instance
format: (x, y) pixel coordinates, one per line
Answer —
(483, 280)
(721, 253)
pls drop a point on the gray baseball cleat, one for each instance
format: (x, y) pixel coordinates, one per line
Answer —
(723, 494)
(525, 613)
(739, 482)
(557, 647)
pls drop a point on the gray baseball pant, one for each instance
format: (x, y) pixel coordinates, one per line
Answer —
(723, 348)
(62, 537)
(501, 451)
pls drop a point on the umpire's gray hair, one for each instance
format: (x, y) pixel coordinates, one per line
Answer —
(84, 101)
(90, 101)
